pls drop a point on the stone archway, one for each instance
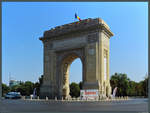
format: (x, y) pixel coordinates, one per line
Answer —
(65, 67)
(87, 40)
(64, 60)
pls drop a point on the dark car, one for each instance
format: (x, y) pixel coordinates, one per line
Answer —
(13, 95)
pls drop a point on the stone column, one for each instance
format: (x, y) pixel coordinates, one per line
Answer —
(49, 81)
(108, 76)
(105, 54)
(101, 63)
(66, 89)
(92, 64)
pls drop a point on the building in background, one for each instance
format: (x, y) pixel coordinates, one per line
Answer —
(13, 83)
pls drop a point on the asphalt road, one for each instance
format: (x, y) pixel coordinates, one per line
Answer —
(72, 106)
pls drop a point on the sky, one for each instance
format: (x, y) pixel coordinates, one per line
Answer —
(23, 23)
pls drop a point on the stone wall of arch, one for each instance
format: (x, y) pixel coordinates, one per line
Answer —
(87, 40)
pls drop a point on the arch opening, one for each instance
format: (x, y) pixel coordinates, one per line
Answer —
(65, 69)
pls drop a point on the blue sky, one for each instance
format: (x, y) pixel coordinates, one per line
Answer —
(23, 23)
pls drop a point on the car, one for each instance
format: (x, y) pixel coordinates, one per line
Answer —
(13, 95)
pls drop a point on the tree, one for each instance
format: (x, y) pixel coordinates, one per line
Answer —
(144, 86)
(41, 80)
(126, 87)
(122, 82)
(5, 89)
(25, 88)
(29, 87)
(132, 89)
(22, 89)
(14, 88)
(74, 89)
(37, 86)
(80, 85)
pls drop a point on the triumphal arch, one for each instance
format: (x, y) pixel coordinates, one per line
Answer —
(88, 40)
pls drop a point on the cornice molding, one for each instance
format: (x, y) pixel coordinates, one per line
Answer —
(76, 27)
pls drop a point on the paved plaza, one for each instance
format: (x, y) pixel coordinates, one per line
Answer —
(73, 106)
